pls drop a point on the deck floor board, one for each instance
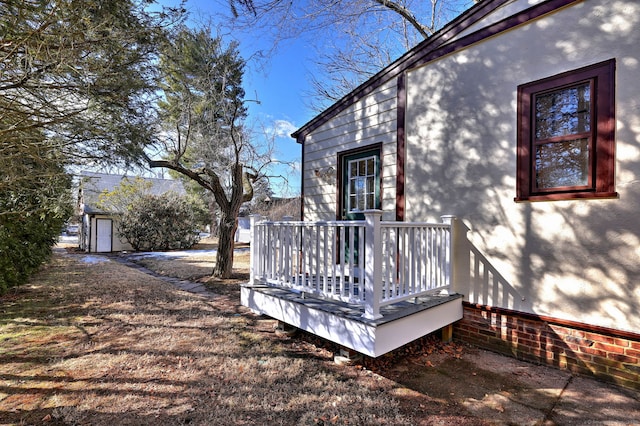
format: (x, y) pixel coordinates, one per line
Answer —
(353, 311)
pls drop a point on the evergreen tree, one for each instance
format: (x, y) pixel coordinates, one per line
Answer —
(77, 84)
(203, 136)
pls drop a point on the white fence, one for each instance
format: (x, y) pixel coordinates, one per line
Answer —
(370, 262)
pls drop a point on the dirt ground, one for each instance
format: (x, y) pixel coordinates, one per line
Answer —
(94, 341)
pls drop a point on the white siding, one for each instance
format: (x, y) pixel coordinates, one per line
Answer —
(117, 243)
(369, 121)
(578, 260)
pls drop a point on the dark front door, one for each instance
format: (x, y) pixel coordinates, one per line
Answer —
(360, 185)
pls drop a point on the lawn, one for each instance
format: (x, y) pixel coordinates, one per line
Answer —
(92, 341)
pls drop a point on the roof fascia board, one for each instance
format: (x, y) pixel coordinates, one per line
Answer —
(434, 47)
(508, 23)
(449, 31)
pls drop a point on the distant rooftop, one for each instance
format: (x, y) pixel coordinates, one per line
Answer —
(93, 184)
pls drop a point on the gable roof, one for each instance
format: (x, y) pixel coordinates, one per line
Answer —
(93, 184)
(441, 43)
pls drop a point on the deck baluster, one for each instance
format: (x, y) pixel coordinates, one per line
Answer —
(369, 263)
(373, 264)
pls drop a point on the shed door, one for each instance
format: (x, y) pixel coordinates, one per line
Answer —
(104, 229)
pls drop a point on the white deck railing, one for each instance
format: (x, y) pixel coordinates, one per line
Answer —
(370, 262)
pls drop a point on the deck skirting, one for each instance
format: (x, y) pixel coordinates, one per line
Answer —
(344, 324)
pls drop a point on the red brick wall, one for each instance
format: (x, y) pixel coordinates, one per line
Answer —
(606, 354)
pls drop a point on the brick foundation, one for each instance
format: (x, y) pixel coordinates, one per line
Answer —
(606, 354)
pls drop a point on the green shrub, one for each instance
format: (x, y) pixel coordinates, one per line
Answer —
(33, 212)
(159, 222)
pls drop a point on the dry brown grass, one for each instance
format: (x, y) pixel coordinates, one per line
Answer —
(198, 265)
(101, 343)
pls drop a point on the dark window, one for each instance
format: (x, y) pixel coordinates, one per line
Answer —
(359, 173)
(566, 146)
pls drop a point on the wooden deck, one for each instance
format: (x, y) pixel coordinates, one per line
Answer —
(344, 323)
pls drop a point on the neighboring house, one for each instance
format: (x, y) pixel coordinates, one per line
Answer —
(243, 233)
(521, 118)
(273, 208)
(98, 231)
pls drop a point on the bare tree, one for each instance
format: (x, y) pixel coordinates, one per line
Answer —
(353, 39)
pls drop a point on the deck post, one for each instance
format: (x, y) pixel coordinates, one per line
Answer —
(447, 333)
(254, 246)
(451, 221)
(373, 264)
(286, 250)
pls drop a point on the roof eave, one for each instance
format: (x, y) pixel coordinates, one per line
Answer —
(446, 33)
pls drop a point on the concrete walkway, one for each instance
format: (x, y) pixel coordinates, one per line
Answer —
(504, 391)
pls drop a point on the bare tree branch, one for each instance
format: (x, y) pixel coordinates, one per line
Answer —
(365, 35)
(406, 14)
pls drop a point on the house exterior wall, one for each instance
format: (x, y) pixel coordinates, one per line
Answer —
(370, 121)
(554, 282)
(577, 259)
(589, 351)
(117, 243)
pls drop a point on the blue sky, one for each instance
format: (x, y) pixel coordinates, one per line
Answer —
(280, 83)
(280, 87)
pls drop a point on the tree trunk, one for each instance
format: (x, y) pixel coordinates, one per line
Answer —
(242, 191)
(213, 213)
(224, 256)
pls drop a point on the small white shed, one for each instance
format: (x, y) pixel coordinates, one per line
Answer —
(98, 232)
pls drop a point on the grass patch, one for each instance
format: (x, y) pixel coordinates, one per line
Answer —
(92, 341)
(100, 343)
(197, 267)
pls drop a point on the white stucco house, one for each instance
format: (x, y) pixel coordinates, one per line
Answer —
(516, 128)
